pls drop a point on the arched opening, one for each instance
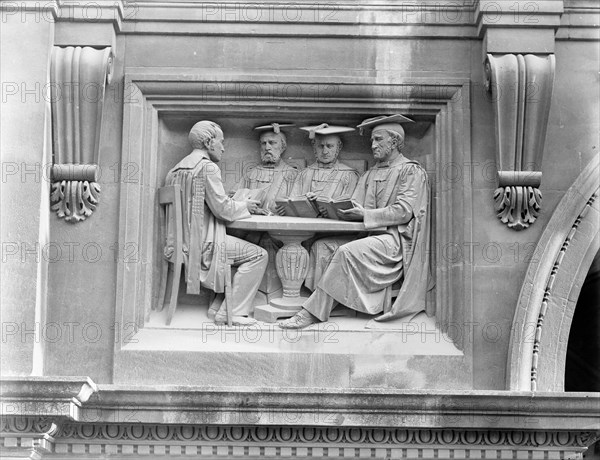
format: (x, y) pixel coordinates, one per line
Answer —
(549, 295)
(582, 370)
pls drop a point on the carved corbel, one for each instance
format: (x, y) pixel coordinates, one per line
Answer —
(78, 79)
(521, 89)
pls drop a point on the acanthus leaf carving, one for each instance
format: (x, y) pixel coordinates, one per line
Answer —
(76, 123)
(521, 88)
(74, 200)
(517, 206)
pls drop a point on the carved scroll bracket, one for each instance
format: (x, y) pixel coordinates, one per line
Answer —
(521, 89)
(78, 79)
(75, 191)
(518, 198)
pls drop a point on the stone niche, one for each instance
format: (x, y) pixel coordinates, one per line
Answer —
(159, 111)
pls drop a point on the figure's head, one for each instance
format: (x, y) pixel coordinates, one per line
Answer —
(386, 139)
(327, 148)
(272, 146)
(207, 135)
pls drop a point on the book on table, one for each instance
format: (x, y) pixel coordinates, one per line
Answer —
(298, 206)
(257, 194)
(332, 205)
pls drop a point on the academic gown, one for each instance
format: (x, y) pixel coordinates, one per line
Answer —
(279, 180)
(333, 181)
(206, 207)
(362, 272)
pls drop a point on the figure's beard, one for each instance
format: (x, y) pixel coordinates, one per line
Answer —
(270, 158)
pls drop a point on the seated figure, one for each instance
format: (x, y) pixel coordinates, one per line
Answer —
(327, 177)
(206, 207)
(273, 173)
(277, 176)
(393, 202)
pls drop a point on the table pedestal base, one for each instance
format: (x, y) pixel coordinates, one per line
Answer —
(289, 303)
(270, 314)
(283, 307)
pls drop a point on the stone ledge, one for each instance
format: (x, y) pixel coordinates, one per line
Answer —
(370, 407)
(45, 396)
(123, 421)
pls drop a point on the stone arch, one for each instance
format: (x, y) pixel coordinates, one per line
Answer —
(562, 258)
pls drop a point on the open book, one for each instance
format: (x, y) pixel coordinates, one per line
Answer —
(332, 205)
(298, 206)
(257, 194)
(244, 194)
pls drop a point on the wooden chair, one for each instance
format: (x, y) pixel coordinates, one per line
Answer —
(172, 267)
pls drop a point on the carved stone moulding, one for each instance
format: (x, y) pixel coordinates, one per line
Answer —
(40, 438)
(564, 253)
(78, 77)
(521, 88)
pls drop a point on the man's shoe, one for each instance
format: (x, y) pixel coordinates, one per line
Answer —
(300, 320)
(212, 313)
(215, 306)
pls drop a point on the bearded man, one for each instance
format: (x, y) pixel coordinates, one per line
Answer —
(273, 173)
(277, 177)
(392, 199)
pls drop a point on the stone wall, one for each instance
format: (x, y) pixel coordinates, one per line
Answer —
(79, 293)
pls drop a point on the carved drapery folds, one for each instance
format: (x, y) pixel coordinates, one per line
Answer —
(78, 76)
(521, 87)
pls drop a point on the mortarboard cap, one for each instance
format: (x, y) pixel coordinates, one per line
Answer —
(275, 127)
(391, 122)
(325, 129)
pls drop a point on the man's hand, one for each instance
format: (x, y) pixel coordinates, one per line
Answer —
(263, 212)
(231, 193)
(252, 206)
(311, 195)
(322, 210)
(355, 213)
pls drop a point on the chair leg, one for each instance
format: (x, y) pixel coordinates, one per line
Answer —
(162, 290)
(228, 301)
(174, 293)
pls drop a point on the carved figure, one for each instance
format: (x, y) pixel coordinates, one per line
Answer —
(277, 177)
(273, 173)
(393, 196)
(206, 207)
(326, 177)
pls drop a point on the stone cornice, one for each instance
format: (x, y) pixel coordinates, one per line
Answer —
(45, 396)
(580, 21)
(205, 422)
(511, 14)
(368, 408)
(470, 19)
(48, 397)
(97, 12)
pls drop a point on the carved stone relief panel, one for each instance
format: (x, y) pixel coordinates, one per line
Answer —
(156, 124)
